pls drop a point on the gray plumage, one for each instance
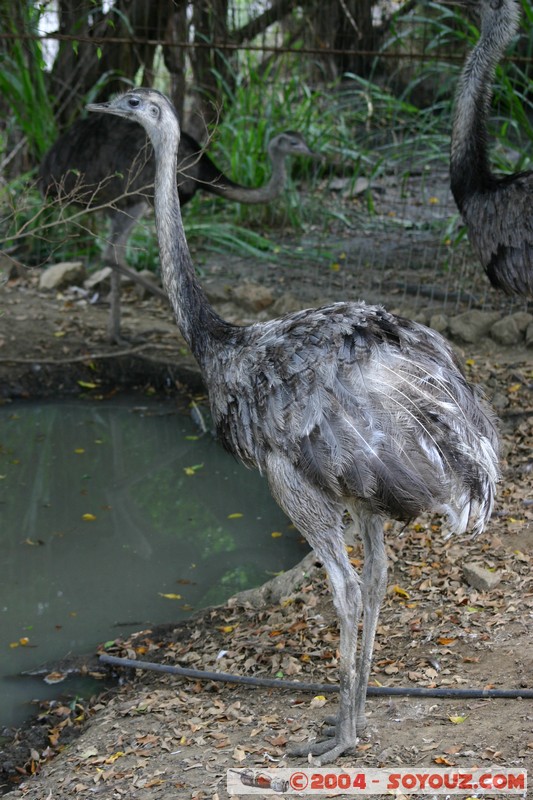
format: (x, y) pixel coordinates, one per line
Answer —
(498, 211)
(344, 407)
(109, 161)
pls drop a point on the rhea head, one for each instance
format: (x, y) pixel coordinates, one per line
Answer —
(149, 108)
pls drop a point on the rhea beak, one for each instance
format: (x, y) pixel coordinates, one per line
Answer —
(103, 108)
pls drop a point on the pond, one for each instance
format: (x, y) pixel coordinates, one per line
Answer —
(115, 515)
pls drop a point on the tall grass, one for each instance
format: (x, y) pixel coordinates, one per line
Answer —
(397, 122)
(22, 81)
(449, 35)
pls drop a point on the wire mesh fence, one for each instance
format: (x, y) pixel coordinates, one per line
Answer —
(369, 85)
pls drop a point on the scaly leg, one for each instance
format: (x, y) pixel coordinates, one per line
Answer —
(122, 223)
(319, 518)
(374, 586)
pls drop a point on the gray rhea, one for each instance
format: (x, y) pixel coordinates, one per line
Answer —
(108, 160)
(343, 407)
(497, 211)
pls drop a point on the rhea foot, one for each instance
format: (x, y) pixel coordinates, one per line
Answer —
(323, 752)
(329, 727)
(344, 740)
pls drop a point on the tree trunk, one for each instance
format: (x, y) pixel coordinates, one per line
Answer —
(346, 25)
(79, 67)
(211, 65)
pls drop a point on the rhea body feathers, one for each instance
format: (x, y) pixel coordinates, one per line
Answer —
(343, 394)
(343, 407)
(497, 210)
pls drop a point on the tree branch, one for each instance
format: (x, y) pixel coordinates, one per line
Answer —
(276, 12)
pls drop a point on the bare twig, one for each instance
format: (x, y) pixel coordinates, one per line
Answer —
(88, 357)
(350, 18)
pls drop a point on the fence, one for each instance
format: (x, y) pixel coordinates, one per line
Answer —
(370, 84)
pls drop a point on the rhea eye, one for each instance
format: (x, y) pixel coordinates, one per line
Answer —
(134, 102)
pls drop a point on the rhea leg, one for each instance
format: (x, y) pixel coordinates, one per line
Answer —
(346, 592)
(319, 518)
(373, 588)
(122, 223)
(374, 585)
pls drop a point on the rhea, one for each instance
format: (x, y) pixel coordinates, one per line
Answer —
(343, 407)
(497, 210)
(108, 161)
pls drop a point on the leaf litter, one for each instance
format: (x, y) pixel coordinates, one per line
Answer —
(157, 736)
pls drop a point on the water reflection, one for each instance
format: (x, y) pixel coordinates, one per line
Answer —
(104, 509)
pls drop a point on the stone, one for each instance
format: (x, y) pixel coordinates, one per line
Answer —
(480, 578)
(59, 276)
(286, 304)
(11, 269)
(283, 585)
(253, 296)
(529, 335)
(439, 323)
(217, 291)
(143, 292)
(421, 317)
(100, 280)
(511, 330)
(473, 325)
(361, 185)
(348, 187)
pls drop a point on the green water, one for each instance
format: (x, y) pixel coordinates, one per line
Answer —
(104, 508)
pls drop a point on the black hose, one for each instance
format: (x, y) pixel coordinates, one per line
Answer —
(300, 686)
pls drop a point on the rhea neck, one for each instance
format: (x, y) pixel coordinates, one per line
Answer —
(200, 325)
(469, 163)
(278, 177)
(262, 194)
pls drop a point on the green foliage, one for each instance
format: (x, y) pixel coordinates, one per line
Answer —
(44, 232)
(22, 82)
(259, 103)
(391, 124)
(447, 33)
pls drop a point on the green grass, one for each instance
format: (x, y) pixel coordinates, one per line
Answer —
(374, 128)
(23, 84)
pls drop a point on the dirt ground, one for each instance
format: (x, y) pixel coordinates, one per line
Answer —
(157, 736)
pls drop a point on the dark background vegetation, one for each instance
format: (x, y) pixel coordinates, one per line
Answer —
(369, 83)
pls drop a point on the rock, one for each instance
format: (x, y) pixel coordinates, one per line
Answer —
(230, 312)
(473, 325)
(421, 317)
(499, 401)
(286, 304)
(480, 578)
(67, 273)
(361, 185)
(283, 585)
(511, 330)
(338, 184)
(439, 323)
(143, 292)
(348, 187)
(101, 280)
(217, 291)
(253, 296)
(10, 269)
(529, 335)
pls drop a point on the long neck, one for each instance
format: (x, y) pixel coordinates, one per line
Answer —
(469, 163)
(262, 194)
(199, 324)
